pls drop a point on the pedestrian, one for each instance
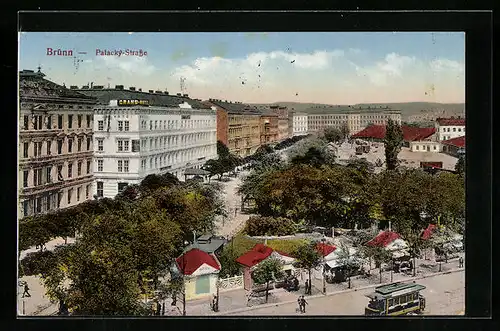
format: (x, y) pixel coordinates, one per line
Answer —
(174, 299)
(26, 291)
(299, 303)
(304, 303)
(306, 289)
(461, 262)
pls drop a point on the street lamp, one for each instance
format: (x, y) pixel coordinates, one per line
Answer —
(323, 240)
(186, 243)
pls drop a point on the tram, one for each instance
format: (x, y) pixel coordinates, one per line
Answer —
(396, 299)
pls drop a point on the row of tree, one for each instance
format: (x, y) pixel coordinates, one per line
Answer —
(125, 246)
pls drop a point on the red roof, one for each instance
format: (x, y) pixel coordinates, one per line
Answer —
(258, 253)
(194, 259)
(410, 133)
(458, 142)
(428, 232)
(383, 239)
(325, 249)
(451, 121)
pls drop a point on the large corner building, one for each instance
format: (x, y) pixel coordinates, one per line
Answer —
(55, 145)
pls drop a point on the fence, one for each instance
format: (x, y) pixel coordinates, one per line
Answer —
(231, 283)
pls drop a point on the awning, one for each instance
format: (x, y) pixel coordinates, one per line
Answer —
(333, 264)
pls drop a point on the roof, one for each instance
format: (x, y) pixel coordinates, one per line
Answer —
(388, 290)
(410, 133)
(383, 239)
(193, 171)
(257, 254)
(451, 121)
(347, 109)
(33, 85)
(325, 249)
(458, 142)
(194, 259)
(104, 96)
(235, 107)
(428, 232)
(207, 243)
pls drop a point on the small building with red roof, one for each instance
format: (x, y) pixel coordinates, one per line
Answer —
(200, 271)
(391, 241)
(410, 133)
(454, 147)
(449, 128)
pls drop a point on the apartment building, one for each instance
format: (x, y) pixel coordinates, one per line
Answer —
(356, 118)
(282, 113)
(299, 124)
(269, 128)
(134, 139)
(238, 126)
(450, 128)
(55, 145)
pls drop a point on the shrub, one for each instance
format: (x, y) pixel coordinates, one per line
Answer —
(286, 246)
(261, 226)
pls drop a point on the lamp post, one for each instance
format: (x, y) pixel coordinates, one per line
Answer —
(392, 267)
(324, 267)
(186, 243)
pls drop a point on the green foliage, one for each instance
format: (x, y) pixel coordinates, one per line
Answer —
(154, 182)
(260, 226)
(332, 134)
(344, 130)
(229, 266)
(287, 246)
(267, 271)
(307, 257)
(460, 165)
(222, 150)
(393, 142)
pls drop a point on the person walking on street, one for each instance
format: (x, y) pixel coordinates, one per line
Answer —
(461, 262)
(303, 303)
(306, 289)
(26, 291)
(299, 303)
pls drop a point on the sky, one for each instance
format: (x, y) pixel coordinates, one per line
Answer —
(317, 67)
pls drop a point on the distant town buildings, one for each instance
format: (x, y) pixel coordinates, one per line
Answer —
(238, 126)
(269, 128)
(356, 119)
(282, 113)
(300, 124)
(55, 145)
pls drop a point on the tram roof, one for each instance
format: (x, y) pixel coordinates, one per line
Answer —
(395, 290)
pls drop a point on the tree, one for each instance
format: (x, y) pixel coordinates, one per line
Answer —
(344, 130)
(378, 254)
(270, 269)
(308, 258)
(222, 150)
(314, 157)
(216, 167)
(332, 134)
(348, 260)
(460, 165)
(154, 182)
(261, 226)
(393, 142)
(229, 266)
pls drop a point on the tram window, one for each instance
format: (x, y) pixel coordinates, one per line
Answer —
(391, 302)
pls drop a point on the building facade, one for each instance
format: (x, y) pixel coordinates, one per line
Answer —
(238, 126)
(55, 145)
(449, 128)
(133, 141)
(282, 113)
(356, 119)
(269, 128)
(299, 124)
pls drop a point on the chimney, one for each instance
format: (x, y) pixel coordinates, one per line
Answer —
(131, 88)
(118, 87)
(179, 94)
(91, 84)
(73, 87)
(185, 95)
(151, 91)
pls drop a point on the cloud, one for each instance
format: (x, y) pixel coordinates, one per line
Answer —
(380, 73)
(442, 64)
(131, 65)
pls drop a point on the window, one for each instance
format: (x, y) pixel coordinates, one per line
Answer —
(416, 147)
(88, 166)
(70, 121)
(125, 165)
(136, 146)
(88, 121)
(49, 146)
(120, 125)
(59, 173)
(127, 125)
(48, 174)
(448, 130)
(26, 122)
(120, 145)
(100, 165)
(70, 170)
(49, 122)
(120, 166)
(80, 144)
(100, 145)
(150, 144)
(100, 125)
(88, 143)
(38, 203)
(26, 207)
(70, 193)
(454, 129)
(59, 146)
(80, 121)
(434, 147)
(100, 189)
(60, 122)
(87, 191)
(70, 145)
(121, 187)
(125, 145)
(79, 168)
(25, 178)
(25, 149)
(78, 194)
(150, 125)
(459, 129)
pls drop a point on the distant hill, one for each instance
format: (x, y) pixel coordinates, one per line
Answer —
(410, 111)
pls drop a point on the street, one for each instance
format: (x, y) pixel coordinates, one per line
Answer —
(445, 295)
